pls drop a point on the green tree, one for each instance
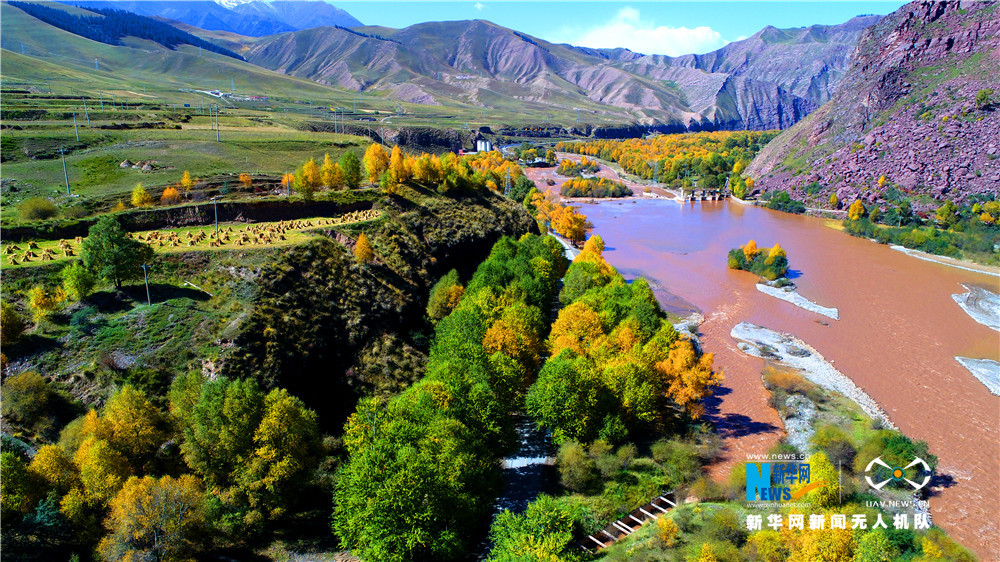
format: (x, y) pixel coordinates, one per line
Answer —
(576, 468)
(543, 532)
(18, 490)
(78, 281)
(43, 302)
(875, 546)
(112, 254)
(351, 168)
(947, 214)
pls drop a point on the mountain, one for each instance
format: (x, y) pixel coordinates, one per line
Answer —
(253, 19)
(906, 109)
(769, 80)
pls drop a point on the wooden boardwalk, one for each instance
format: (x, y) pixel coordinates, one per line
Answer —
(628, 524)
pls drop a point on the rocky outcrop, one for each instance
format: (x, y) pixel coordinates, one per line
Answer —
(905, 110)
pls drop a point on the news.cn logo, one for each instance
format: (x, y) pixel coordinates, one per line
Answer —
(897, 473)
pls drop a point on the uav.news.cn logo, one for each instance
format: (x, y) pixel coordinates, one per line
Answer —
(896, 473)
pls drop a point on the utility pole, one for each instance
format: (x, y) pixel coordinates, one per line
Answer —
(215, 203)
(75, 128)
(217, 124)
(85, 112)
(62, 151)
(96, 67)
(145, 276)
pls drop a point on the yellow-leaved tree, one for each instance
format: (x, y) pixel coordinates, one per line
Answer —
(154, 519)
(376, 161)
(397, 165)
(750, 250)
(186, 181)
(363, 250)
(856, 211)
(690, 379)
(141, 197)
(170, 196)
(578, 328)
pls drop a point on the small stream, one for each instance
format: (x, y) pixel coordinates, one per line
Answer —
(530, 471)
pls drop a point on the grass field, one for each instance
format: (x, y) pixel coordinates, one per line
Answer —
(197, 238)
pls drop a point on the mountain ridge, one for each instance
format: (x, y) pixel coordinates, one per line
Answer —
(475, 61)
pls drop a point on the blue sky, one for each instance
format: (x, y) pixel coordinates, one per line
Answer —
(670, 28)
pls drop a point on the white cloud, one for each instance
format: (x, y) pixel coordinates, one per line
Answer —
(628, 30)
(479, 6)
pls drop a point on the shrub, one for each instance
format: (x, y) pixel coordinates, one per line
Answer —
(25, 397)
(170, 196)
(78, 281)
(37, 208)
(576, 468)
(11, 324)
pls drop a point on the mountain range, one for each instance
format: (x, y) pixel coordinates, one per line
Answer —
(770, 80)
(254, 18)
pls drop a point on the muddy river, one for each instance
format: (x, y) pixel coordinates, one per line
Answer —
(897, 337)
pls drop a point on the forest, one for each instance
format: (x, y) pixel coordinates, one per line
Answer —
(594, 187)
(677, 160)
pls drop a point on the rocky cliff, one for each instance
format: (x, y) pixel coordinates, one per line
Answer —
(906, 109)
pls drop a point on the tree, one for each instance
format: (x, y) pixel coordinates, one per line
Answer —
(749, 182)
(577, 328)
(397, 165)
(141, 197)
(153, 519)
(43, 302)
(246, 180)
(351, 169)
(103, 470)
(856, 211)
(750, 250)
(766, 546)
(170, 196)
(78, 281)
(690, 378)
(376, 162)
(706, 554)
(307, 179)
(363, 250)
(331, 173)
(947, 214)
(834, 201)
(445, 296)
(11, 324)
(18, 492)
(875, 546)
(112, 254)
(119, 206)
(550, 156)
(54, 466)
(187, 182)
(133, 425)
(821, 470)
